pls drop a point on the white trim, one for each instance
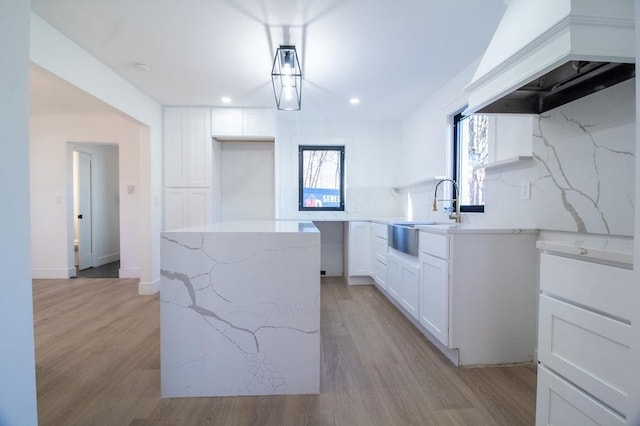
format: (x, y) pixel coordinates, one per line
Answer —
(53, 273)
(148, 288)
(129, 272)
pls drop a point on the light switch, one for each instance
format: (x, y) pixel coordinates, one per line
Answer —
(525, 190)
(130, 189)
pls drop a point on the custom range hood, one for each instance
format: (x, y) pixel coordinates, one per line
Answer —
(546, 53)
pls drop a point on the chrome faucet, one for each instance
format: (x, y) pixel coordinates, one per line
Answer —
(455, 216)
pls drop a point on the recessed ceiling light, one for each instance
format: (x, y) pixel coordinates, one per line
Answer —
(225, 99)
(141, 67)
(354, 101)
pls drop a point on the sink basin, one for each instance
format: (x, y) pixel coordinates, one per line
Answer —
(403, 236)
(412, 224)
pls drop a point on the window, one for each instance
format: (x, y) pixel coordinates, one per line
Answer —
(470, 152)
(321, 178)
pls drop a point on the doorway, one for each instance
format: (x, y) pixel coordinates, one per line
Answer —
(248, 180)
(96, 215)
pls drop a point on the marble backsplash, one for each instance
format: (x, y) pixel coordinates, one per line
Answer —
(582, 173)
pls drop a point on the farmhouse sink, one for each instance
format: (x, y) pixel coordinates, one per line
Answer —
(403, 236)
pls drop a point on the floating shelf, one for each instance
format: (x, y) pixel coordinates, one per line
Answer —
(507, 162)
(419, 182)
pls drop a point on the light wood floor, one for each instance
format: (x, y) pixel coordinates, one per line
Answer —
(98, 356)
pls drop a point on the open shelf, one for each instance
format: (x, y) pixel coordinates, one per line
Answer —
(509, 162)
(419, 182)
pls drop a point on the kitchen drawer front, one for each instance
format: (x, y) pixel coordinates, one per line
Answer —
(434, 245)
(379, 230)
(380, 273)
(381, 249)
(604, 288)
(586, 348)
(560, 403)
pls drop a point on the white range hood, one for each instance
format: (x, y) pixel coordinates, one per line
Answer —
(545, 53)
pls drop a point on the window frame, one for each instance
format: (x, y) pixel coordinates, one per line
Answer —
(301, 150)
(464, 208)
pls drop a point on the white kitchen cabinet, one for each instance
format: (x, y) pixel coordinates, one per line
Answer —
(559, 402)
(434, 297)
(584, 338)
(186, 207)
(380, 247)
(243, 123)
(187, 147)
(478, 294)
(403, 281)
(358, 253)
(394, 277)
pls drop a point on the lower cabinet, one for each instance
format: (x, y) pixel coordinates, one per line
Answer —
(583, 342)
(403, 281)
(561, 403)
(186, 207)
(434, 297)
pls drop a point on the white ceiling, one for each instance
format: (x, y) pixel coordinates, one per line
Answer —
(392, 54)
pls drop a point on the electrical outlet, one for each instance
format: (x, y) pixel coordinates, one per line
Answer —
(525, 190)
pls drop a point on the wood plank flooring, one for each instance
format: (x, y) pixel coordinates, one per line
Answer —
(98, 360)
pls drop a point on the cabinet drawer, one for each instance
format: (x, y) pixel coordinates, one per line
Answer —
(380, 274)
(586, 348)
(561, 403)
(381, 249)
(604, 288)
(379, 230)
(435, 245)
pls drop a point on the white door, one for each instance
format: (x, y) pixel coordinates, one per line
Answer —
(83, 214)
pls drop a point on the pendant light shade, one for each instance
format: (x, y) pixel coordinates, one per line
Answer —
(286, 77)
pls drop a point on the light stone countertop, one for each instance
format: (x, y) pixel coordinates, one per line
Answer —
(454, 228)
(264, 226)
(604, 249)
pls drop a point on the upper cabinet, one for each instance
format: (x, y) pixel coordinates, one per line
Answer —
(243, 123)
(187, 147)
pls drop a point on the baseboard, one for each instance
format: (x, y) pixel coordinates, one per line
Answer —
(129, 272)
(360, 280)
(53, 273)
(148, 288)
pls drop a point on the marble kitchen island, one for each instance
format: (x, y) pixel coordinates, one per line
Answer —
(240, 309)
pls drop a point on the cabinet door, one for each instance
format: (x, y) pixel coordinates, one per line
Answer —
(175, 208)
(359, 249)
(198, 156)
(198, 206)
(380, 274)
(394, 277)
(434, 297)
(226, 122)
(174, 146)
(410, 289)
(259, 123)
(186, 207)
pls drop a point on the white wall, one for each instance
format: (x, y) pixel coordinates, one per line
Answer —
(52, 195)
(17, 364)
(57, 54)
(371, 153)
